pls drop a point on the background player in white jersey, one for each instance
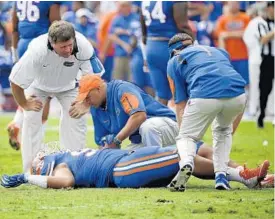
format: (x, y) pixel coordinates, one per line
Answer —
(49, 68)
(30, 19)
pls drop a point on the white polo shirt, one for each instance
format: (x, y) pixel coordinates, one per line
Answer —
(44, 69)
(252, 40)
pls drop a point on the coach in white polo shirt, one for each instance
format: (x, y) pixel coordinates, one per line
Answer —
(49, 68)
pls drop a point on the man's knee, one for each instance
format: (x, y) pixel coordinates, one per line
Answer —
(222, 131)
(150, 134)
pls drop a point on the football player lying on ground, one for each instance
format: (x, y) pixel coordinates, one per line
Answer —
(143, 167)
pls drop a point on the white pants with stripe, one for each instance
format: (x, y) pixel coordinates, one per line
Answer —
(72, 131)
(198, 115)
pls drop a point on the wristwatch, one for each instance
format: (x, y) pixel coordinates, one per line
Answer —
(117, 142)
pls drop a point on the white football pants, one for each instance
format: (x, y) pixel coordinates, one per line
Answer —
(72, 131)
(198, 115)
(157, 131)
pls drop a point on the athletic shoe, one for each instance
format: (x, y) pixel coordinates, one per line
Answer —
(268, 181)
(222, 182)
(13, 133)
(252, 177)
(180, 180)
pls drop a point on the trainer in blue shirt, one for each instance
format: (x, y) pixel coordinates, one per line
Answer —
(121, 109)
(206, 88)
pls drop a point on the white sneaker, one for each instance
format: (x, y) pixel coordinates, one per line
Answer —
(180, 180)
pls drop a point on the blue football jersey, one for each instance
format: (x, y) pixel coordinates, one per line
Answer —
(33, 17)
(91, 168)
(158, 16)
(203, 72)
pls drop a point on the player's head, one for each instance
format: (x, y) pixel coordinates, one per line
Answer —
(178, 42)
(124, 7)
(37, 163)
(84, 15)
(233, 7)
(46, 149)
(62, 38)
(92, 90)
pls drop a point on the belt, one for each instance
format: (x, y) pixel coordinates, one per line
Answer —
(158, 38)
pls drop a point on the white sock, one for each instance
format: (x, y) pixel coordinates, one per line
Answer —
(233, 174)
(37, 180)
(18, 118)
(187, 151)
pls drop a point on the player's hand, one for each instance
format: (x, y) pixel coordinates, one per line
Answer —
(78, 109)
(121, 31)
(109, 141)
(13, 181)
(145, 66)
(14, 55)
(33, 104)
(128, 48)
(101, 57)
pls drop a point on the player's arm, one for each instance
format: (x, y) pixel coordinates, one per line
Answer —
(115, 31)
(126, 46)
(181, 17)
(178, 88)
(21, 77)
(100, 131)
(133, 123)
(267, 38)
(14, 36)
(180, 111)
(89, 62)
(62, 178)
(231, 34)
(133, 105)
(143, 27)
(54, 14)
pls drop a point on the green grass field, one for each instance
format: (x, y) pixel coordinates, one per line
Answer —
(200, 200)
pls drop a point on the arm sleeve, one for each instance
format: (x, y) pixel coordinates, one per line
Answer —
(130, 99)
(24, 71)
(262, 30)
(100, 131)
(219, 26)
(89, 63)
(176, 82)
(250, 35)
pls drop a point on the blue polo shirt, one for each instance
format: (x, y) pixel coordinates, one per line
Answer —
(123, 22)
(123, 100)
(203, 72)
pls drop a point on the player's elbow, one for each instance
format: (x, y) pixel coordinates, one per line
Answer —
(68, 182)
(140, 117)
